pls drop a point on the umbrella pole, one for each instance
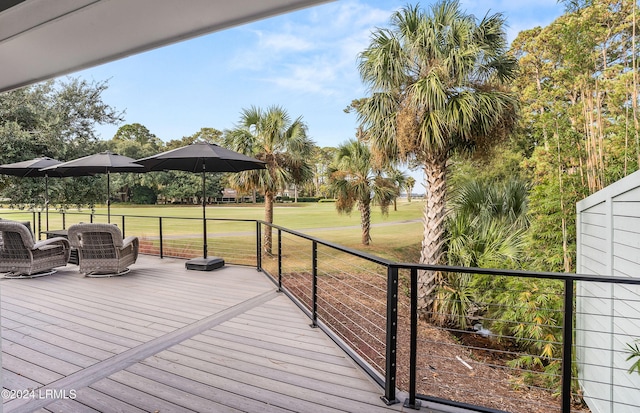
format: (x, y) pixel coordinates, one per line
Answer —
(204, 263)
(204, 212)
(108, 197)
(46, 200)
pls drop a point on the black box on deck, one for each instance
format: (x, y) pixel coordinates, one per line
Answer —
(205, 264)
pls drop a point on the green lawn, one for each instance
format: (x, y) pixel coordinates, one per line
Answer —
(393, 236)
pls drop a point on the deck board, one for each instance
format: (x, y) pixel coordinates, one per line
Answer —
(63, 353)
(98, 401)
(170, 340)
(66, 406)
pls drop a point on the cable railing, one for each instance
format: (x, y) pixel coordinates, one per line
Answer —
(174, 237)
(487, 340)
(515, 346)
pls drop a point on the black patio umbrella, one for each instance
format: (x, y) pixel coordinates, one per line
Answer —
(201, 157)
(32, 168)
(99, 163)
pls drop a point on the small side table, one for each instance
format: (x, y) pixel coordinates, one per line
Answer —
(73, 257)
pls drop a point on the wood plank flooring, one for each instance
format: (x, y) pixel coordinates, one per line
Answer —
(164, 339)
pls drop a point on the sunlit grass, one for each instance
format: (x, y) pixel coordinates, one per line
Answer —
(396, 236)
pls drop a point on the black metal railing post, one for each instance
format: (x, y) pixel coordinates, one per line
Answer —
(161, 238)
(123, 226)
(64, 220)
(91, 217)
(258, 246)
(39, 226)
(314, 286)
(411, 402)
(567, 345)
(392, 337)
(279, 259)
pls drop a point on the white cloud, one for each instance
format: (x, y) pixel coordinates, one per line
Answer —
(520, 15)
(315, 49)
(313, 78)
(283, 42)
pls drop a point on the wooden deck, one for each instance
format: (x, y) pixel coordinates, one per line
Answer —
(164, 339)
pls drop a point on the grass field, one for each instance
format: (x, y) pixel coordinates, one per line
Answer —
(396, 236)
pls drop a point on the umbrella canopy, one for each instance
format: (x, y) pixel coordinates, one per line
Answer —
(201, 157)
(99, 163)
(33, 168)
(30, 168)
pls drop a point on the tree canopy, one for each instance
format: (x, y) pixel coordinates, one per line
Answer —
(55, 119)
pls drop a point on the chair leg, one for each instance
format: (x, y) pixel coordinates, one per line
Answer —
(17, 275)
(95, 274)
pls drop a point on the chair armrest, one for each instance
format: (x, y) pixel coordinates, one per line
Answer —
(133, 243)
(130, 240)
(47, 242)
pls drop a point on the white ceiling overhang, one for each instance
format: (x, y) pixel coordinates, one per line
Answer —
(41, 39)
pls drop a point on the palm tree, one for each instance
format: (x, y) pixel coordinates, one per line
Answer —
(437, 83)
(408, 185)
(399, 179)
(271, 136)
(355, 182)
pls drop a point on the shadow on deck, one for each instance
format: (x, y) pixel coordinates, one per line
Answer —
(164, 339)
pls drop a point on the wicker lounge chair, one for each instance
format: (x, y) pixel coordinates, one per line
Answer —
(22, 257)
(101, 249)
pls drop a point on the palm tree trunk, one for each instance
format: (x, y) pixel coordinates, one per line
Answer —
(365, 221)
(268, 217)
(434, 231)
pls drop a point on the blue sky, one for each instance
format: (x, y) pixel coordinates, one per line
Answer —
(305, 61)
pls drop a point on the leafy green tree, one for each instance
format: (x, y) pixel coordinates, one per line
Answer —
(210, 135)
(271, 136)
(135, 141)
(55, 119)
(186, 187)
(578, 79)
(321, 159)
(355, 182)
(438, 84)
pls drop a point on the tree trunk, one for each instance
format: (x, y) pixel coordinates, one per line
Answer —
(434, 231)
(365, 221)
(268, 217)
(634, 101)
(544, 128)
(566, 259)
